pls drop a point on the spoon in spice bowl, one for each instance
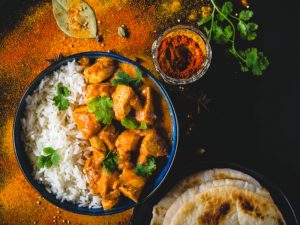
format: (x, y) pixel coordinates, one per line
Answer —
(182, 54)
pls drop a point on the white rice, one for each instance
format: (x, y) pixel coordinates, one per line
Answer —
(45, 126)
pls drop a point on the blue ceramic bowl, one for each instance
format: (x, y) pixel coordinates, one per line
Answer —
(27, 167)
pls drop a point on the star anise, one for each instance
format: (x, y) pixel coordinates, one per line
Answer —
(56, 59)
(202, 102)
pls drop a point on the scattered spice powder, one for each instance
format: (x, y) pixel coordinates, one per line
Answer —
(181, 55)
(23, 52)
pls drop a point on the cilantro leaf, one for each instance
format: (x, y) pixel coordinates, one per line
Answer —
(124, 78)
(102, 108)
(61, 90)
(138, 79)
(145, 169)
(48, 164)
(121, 78)
(226, 10)
(41, 160)
(60, 99)
(130, 122)
(242, 28)
(251, 28)
(110, 162)
(246, 15)
(247, 31)
(255, 61)
(55, 159)
(143, 126)
(50, 158)
(222, 36)
(204, 20)
(48, 150)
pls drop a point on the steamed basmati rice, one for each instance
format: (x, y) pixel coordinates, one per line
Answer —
(45, 126)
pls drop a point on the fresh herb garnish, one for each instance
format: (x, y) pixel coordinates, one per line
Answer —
(124, 78)
(145, 169)
(110, 162)
(130, 122)
(143, 126)
(50, 157)
(102, 108)
(222, 30)
(60, 99)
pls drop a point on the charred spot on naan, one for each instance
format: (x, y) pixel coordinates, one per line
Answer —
(216, 216)
(248, 207)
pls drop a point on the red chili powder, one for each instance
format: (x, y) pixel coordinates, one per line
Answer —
(180, 56)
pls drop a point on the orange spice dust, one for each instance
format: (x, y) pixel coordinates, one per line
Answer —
(23, 54)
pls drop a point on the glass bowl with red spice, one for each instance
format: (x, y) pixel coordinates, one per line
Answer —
(182, 54)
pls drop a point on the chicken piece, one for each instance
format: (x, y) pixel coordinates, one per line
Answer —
(97, 143)
(121, 100)
(126, 142)
(93, 169)
(102, 69)
(131, 185)
(152, 145)
(108, 187)
(128, 69)
(146, 114)
(84, 61)
(99, 89)
(136, 103)
(86, 121)
(109, 135)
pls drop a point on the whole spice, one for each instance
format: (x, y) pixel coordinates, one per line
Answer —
(75, 18)
(181, 56)
(122, 31)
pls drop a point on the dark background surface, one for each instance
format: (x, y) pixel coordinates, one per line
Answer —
(252, 121)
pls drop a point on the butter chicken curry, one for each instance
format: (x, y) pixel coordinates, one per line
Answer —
(128, 125)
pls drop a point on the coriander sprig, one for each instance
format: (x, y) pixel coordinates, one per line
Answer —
(50, 157)
(223, 31)
(110, 162)
(130, 122)
(102, 108)
(147, 168)
(60, 100)
(124, 78)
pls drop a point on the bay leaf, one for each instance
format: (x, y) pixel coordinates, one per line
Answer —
(75, 18)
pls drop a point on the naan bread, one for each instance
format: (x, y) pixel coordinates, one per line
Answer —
(161, 208)
(190, 194)
(228, 206)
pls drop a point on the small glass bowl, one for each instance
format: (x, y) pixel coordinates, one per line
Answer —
(201, 71)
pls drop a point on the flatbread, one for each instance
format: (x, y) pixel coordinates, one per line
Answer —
(190, 194)
(228, 205)
(161, 208)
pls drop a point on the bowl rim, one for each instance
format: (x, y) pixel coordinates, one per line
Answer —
(40, 188)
